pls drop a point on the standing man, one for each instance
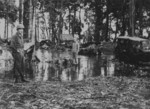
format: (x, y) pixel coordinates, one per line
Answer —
(75, 50)
(17, 46)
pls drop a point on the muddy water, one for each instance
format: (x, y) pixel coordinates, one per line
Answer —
(52, 67)
(103, 65)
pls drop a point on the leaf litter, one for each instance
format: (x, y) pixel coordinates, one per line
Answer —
(92, 93)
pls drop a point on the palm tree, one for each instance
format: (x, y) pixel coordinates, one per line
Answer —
(21, 11)
(132, 17)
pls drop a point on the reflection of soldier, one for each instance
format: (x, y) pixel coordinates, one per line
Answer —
(137, 33)
(17, 46)
(75, 50)
(43, 71)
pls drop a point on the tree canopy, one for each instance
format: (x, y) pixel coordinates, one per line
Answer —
(98, 13)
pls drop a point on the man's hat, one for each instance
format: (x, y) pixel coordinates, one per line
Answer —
(20, 26)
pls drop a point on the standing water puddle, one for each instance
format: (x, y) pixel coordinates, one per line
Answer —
(52, 67)
(55, 66)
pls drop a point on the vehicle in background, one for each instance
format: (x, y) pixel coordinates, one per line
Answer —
(133, 48)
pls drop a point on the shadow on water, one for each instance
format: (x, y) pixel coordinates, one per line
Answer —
(57, 66)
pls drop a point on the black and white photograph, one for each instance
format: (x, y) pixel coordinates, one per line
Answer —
(74, 54)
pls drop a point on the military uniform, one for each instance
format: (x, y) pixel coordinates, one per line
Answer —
(17, 46)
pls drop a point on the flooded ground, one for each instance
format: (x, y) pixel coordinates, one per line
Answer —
(56, 66)
(100, 82)
(87, 67)
(104, 65)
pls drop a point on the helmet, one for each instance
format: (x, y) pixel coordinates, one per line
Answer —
(20, 26)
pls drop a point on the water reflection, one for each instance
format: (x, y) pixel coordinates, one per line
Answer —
(53, 67)
(104, 65)
(57, 66)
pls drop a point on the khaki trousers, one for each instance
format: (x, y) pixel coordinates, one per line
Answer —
(18, 65)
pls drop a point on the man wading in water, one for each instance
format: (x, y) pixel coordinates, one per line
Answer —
(17, 47)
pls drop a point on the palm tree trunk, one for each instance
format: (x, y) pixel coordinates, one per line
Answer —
(60, 23)
(141, 15)
(33, 25)
(98, 20)
(123, 19)
(21, 11)
(26, 18)
(74, 18)
(69, 18)
(132, 16)
(107, 21)
(38, 27)
(116, 30)
(11, 29)
(30, 20)
(5, 30)
(79, 32)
